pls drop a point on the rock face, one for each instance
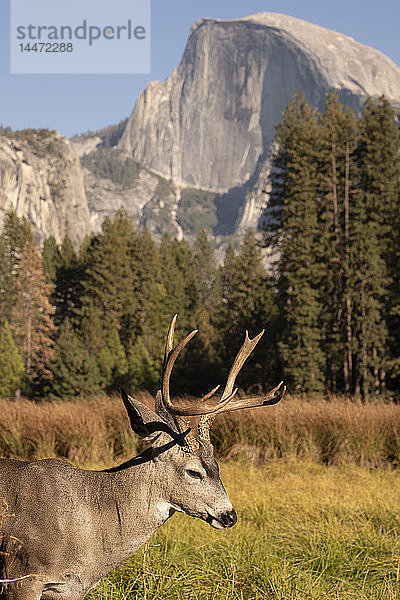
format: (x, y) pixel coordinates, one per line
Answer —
(201, 141)
(145, 203)
(210, 124)
(41, 177)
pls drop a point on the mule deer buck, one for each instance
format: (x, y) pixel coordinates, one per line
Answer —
(69, 527)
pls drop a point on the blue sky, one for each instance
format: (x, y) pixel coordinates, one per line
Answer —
(77, 103)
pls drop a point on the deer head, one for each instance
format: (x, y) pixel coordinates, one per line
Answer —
(178, 433)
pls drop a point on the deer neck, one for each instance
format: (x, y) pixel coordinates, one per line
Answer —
(133, 504)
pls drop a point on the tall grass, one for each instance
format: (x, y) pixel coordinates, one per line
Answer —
(305, 531)
(97, 431)
(326, 527)
(328, 432)
(85, 432)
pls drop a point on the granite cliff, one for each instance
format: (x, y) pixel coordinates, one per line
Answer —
(196, 150)
(211, 123)
(41, 178)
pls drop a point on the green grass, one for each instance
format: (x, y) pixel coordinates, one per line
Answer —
(305, 531)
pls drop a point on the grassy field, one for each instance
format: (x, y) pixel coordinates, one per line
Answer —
(97, 431)
(315, 484)
(305, 531)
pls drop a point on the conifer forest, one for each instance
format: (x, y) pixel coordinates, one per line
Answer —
(76, 322)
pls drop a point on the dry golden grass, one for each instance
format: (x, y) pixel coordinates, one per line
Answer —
(91, 432)
(97, 431)
(330, 432)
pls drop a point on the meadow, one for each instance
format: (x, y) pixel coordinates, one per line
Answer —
(315, 484)
(305, 531)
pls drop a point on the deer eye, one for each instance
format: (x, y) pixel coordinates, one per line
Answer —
(195, 474)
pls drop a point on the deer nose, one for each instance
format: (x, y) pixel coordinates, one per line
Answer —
(229, 518)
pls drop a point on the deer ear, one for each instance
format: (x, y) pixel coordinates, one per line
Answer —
(140, 417)
(147, 424)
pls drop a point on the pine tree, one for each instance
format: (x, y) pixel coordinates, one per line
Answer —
(225, 317)
(179, 282)
(173, 278)
(248, 303)
(369, 288)
(148, 276)
(75, 370)
(7, 282)
(339, 182)
(199, 368)
(91, 327)
(154, 308)
(11, 364)
(196, 369)
(51, 259)
(142, 374)
(113, 362)
(185, 262)
(32, 322)
(295, 192)
(334, 219)
(68, 287)
(205, 269)
(380, 162)
(109, 297)
(377, 210)
(16, 234)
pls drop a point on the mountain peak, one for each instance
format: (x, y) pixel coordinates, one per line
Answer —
(346, 63)
(211, 121)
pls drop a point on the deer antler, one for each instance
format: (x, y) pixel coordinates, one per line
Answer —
(243, 354)
(201, 408)
(273, 397)
(188, 409)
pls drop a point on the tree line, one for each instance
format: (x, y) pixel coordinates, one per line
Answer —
(334, 226)
(73, 323)
(77, 323)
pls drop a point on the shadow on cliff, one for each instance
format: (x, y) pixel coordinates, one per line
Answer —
(230, 205)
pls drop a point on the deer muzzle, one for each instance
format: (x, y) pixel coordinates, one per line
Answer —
(223, 520)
